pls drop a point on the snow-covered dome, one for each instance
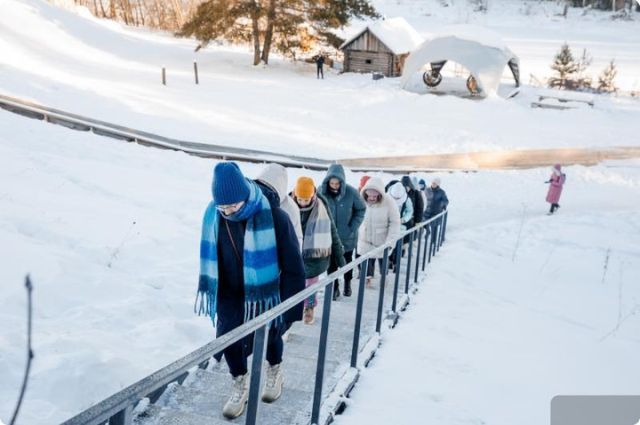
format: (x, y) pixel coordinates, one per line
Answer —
(481, 51)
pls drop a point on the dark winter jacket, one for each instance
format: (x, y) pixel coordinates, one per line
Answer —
(416, 199)
(319, 61)
(437, 202)
(316, 266)
(231, 276)
(346, 207)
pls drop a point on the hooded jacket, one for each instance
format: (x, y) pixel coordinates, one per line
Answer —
(275, 177)
(556, 181)
(403, 203)
(416, 200)
(347, 207)
(381, 221)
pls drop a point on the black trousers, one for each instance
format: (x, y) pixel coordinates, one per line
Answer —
(236, 354)
(319, 72)
(348, 276)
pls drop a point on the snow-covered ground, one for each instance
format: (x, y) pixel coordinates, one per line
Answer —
(110, 231)
(113, 299)
(519, 307)
(102, 69)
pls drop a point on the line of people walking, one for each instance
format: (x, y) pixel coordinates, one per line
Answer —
(262, 244)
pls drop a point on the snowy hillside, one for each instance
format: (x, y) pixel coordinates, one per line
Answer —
(113, 299)
(519, 307)
(102, 69)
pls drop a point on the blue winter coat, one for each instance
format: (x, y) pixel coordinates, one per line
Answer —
(437, 202)
(347, 207)
(231, 277)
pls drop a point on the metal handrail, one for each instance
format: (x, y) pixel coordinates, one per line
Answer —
(201, 149)
(206, 150)
(117, 409)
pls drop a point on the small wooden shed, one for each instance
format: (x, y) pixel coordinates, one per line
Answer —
(381, 47)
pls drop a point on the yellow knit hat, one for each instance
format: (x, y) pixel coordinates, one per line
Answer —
(305, 188)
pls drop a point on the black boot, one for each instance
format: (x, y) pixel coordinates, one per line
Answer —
(336, 290)
(347, 288)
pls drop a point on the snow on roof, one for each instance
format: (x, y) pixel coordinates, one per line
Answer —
(396, 33)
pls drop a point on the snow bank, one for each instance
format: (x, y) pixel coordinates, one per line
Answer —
(519, 307)
(105, 70)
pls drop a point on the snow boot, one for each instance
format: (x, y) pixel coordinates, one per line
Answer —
(273, 385)
(238, 398)
(308, 316)
(336, 290)
(347, 288)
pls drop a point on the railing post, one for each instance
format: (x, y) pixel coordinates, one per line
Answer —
(259, 344)
(410, 254)
(426, 246)
(415, 279)
(444, 226)
(432, 230)
(356, 330)
(396, 268)
(123, 417)
(383, 278)
(435, 237)
(322, 353)
(440, 224)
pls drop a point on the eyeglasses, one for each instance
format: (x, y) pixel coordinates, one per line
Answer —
(231, 207)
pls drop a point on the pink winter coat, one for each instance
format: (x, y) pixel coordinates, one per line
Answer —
(555, 187)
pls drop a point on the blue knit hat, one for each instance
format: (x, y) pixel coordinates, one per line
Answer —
(422, 182)
(229, 185)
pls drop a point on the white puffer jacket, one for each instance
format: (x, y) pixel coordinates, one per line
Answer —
(381, 221)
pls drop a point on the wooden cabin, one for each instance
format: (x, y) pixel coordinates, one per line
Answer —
(382, 47)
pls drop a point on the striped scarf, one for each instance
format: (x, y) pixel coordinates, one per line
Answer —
(317, 233)
(260, 258)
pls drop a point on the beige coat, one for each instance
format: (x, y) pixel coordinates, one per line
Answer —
(381, 221)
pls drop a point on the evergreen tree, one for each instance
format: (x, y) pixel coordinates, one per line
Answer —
(290, 26)
(606, 79)
(564, 65)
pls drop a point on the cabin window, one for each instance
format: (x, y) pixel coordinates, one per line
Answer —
(368, 61)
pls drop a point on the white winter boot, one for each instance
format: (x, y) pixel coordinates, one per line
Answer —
(238, 398)
(273, 386)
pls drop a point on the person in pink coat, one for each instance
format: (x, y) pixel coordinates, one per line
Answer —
(556, 182)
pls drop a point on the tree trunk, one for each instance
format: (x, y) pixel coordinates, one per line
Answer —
(104, 14)
(255, 16)
(268, 35)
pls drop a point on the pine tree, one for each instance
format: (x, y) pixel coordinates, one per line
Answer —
(606, 79)
(564, 65)
(290, 26)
